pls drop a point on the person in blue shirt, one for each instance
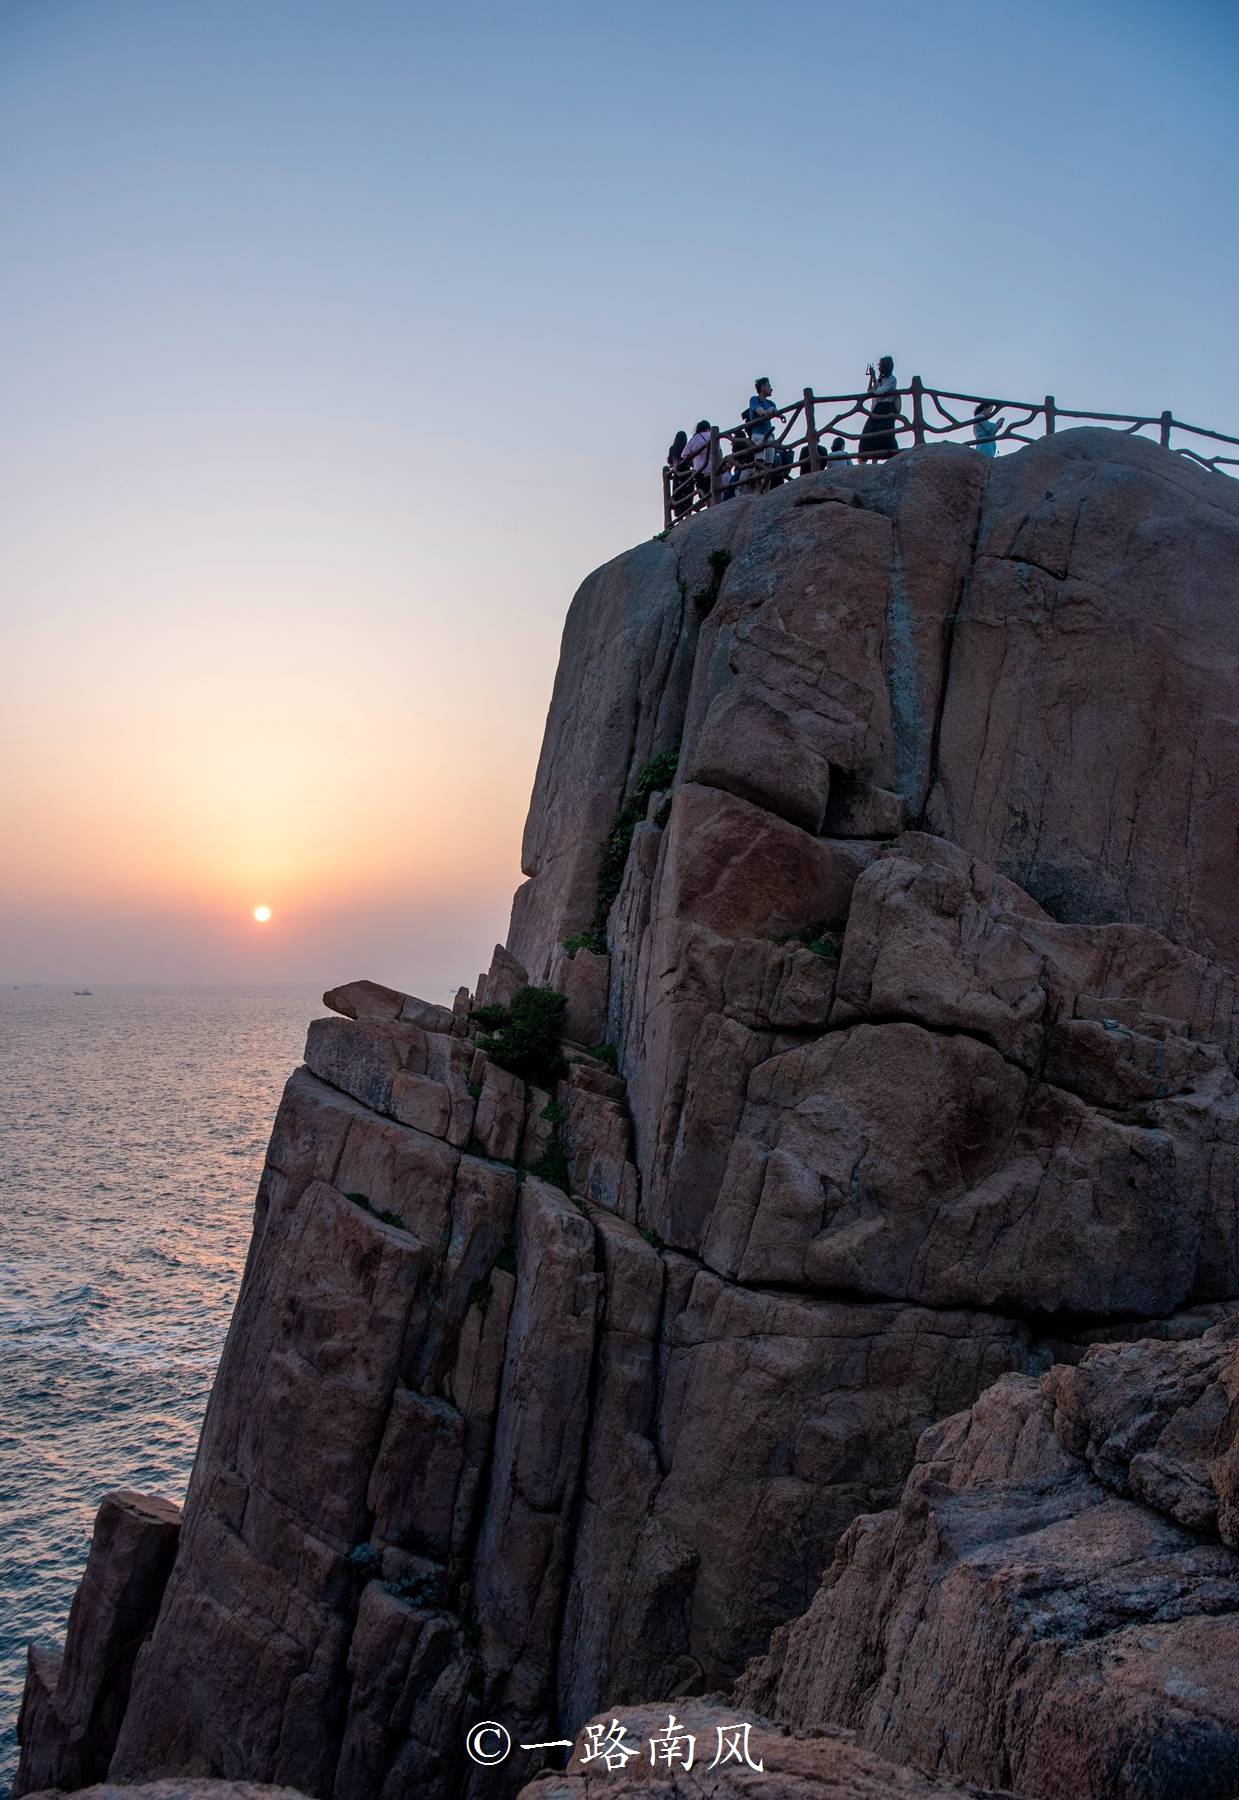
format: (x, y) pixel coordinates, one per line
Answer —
(758, 416)
(985, 428)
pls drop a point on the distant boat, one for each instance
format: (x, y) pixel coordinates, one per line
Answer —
(81, 990)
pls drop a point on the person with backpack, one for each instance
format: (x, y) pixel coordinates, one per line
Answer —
(697, 456)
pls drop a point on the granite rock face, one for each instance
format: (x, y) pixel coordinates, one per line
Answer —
(705, 1755)
(883, 850)
(185, 1788)
(1054, 1604)
(978, 641)
(1002, 1112)
(74, 1704)
(1159, 1423)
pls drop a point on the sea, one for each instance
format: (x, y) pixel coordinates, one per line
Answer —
(133, 1124)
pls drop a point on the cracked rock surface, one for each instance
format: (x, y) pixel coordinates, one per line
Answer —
(1054, 1603)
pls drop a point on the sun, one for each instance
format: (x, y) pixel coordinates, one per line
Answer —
(262, 914)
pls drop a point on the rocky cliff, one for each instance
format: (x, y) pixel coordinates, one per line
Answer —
(883, 849)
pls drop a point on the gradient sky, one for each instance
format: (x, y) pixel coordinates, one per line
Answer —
(338, 341)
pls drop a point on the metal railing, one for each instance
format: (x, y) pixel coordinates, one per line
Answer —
(924, 417)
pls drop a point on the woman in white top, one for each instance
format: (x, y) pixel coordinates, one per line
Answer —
(877, 440)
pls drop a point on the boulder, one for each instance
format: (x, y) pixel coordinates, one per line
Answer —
(185, 1787)
(420, 1078)
(504, 980)
(584, 978)
(500, 1119)
(698, 1749)
(74, 1704)
(960, 1136)
(370, 1000)
(1159, 1423)
(1015, 1619)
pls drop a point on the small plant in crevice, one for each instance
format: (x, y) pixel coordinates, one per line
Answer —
(418, 1590)
(591, 939)
(705, 599)
(552, 1165)
(363, 1564)
(479, 1293)
(821, 940)
(608, 1055)
(824, 943)
(652, 1238)
(527, 1035)
(658, 773)
(383, 1214)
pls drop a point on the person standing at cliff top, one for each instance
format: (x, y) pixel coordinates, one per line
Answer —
(836, 457)
(758, 416)
(697, 455)
(877, 440)
(681, 475)
(985, 428)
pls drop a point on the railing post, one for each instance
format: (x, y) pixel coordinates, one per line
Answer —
(667, 499)
(810, 425)
(1167, 421)
(714, 464)
(918, 410)
(1050, 409)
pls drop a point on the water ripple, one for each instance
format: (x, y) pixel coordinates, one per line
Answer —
(132, 1127)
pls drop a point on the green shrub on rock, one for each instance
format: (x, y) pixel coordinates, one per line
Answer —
(527, 1034)
(363, 1562)
(658, 773)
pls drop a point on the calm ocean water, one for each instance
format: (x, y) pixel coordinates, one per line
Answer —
(132, 1131)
